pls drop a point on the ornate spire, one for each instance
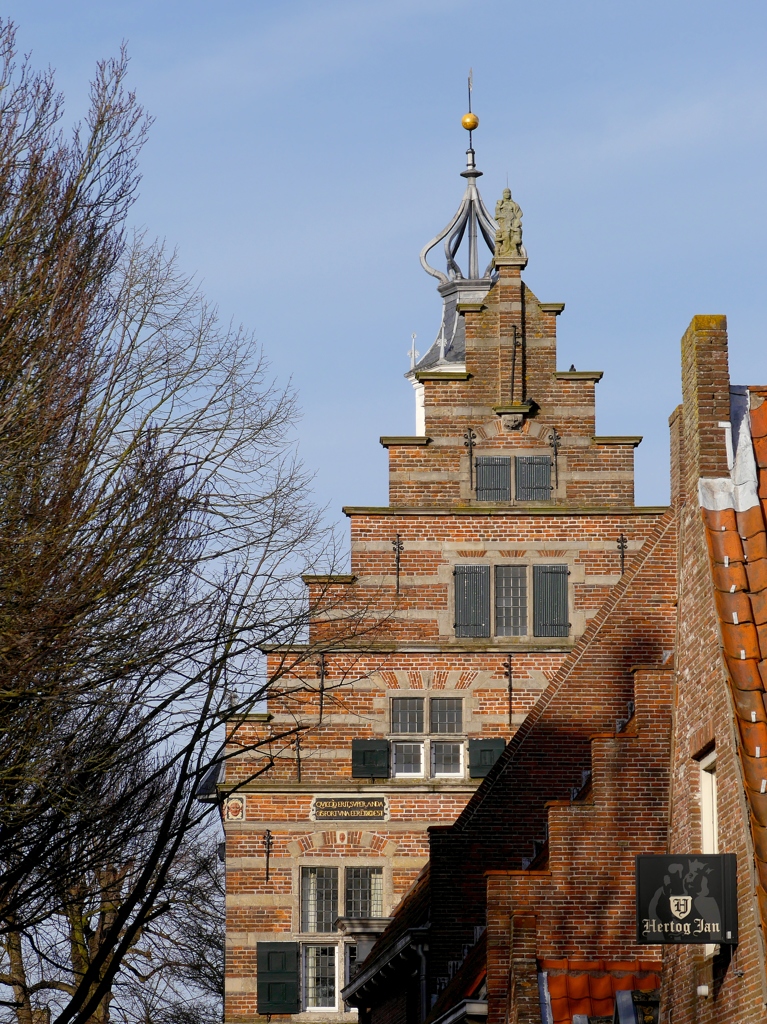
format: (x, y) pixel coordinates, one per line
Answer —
(473, 215)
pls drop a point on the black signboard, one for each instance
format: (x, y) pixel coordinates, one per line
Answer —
(331, 808)
(687, 898)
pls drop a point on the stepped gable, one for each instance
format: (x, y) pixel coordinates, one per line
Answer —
(504, 824)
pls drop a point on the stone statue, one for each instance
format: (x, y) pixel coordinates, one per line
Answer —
(508, 216)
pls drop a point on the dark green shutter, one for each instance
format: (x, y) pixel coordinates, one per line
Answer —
(472, 600)
(370, 759)
(482, 756)
(279, 988)
(533, 477)
(550, 611)
(493, 478)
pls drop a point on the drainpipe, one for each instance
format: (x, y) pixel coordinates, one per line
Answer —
(421, 950)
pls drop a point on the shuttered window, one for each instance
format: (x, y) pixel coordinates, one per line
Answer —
(511, 600)
(278, 981)
(550, 611)
(533, 477)
(370, 759)
(493, 477)
(472, 600)
(482, 756)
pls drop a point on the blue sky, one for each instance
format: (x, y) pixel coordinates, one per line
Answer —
(304, 150)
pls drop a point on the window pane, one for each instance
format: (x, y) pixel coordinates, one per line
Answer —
(446, 715)
(407, 714)
(408, 758)
(493, 477)
(319, 899)
(511, 600)
(446, 758)
(320, 975)
(364, 892)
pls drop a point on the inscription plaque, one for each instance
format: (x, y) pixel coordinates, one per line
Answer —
(343, 808)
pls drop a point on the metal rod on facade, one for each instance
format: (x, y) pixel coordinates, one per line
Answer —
(510, 678)
(322, 687)
(622, 546)
(555, 441)
(268, 849)
(298, 756)
(398, 548)
(514, 346)
(471, 437)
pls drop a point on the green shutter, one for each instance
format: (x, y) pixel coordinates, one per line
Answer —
(533, 477)
(550, 610)
(472, 600)
(278, 977)
(493, 477)
(370, 759)
(482, 756)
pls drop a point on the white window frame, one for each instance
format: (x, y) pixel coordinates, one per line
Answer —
(410, 743)
(304, 981)
(709, 819)
(455, 741)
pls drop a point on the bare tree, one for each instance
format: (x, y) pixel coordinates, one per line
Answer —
(154, 527)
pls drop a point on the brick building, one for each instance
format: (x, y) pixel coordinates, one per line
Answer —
(500, 553)
(489, 934)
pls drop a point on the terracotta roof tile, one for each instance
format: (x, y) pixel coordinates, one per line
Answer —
(589, 986)
(759, 421)
(757, 574)
(728, 576)
(745, 673)
(718, 520)
(740, 641)
(756, 546)
(754, 736)
(760, 450)
(754, 771)
(724, 545)
(734, 607)
(760, 841)
(751, 521)
(758, 803)
(749, 705)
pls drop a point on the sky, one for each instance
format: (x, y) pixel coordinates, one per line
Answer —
(303, 151)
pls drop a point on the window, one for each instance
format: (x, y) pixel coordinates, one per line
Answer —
(407, 714)
(370, 759)
(408, 759)
(493, 474)
(472, 600)
(446, 715)
(364, 892)
(319, 899)
(511, 608)
(320, 977)
(350, 952)
(446, 758)
(533, 477)
(510, 600)
(482, 756)
(709, 818)
(550, 612)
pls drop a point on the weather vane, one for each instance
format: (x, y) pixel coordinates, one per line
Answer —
(470, 120)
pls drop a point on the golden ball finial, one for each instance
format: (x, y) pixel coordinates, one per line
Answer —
(470, 121)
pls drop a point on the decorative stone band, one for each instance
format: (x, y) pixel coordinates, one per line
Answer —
(734, 518)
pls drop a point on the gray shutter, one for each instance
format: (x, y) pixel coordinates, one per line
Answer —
(493, 477)
(278, 977)
(482, 756)
(370, 759)
(550, 609)
(533, 477)
(472, 600)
